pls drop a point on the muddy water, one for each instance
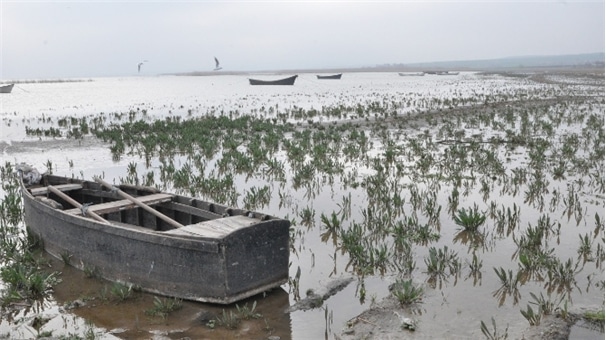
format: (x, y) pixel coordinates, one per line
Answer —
(452, 307)
(128, 319)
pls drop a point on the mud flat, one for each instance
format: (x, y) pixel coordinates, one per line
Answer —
(389, 320)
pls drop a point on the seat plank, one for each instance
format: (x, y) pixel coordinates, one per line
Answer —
(61, 187)
(217, 228)
(109, 207)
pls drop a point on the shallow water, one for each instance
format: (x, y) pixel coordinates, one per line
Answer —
(453, 310)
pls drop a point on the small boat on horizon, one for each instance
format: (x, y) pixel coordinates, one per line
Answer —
(164, 243)
(412, 74)
(285, 81)
(333, 76)
(447, 73)
(6, 88)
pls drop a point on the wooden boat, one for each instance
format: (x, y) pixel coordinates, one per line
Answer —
(334, 76)
(166, 244)
(6, 88)
(285, 81)
(411, 74)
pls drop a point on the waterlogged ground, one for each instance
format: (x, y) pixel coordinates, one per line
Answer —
(476, 196)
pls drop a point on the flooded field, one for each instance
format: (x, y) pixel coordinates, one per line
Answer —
(464, 199)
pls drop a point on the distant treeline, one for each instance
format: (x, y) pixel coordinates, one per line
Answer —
(43, 81)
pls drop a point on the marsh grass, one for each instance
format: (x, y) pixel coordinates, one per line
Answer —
(379, 171)
(66, 258)
(91, 272)
(441, 263)
(470, 219)
(595, 316)
(533, 318)
(121, 292)
(231, 319)
(21, 267)
(509, 285)
(494, 333)
(25, 281)
(227, 319)
(562, 275)
(406, 292)
(546, 305)
(245, 312)
(475, 269)
(164, 306)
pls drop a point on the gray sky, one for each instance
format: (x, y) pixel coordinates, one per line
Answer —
(62, 39)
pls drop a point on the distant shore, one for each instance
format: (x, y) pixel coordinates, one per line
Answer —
(552, 69)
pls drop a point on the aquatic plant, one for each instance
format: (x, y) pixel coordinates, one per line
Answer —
(475, 268)
(441, 263)
(493, 334)
(229, 320)
(509, 285)
(332, 226)
(121, 292)
(561, 275)
(91, 271)
(26, 281)
(585, 247)
(406, 292)
(163, 307)
(246, 313)
(470, 219)
(545, 305)
(534, 318)
(595, 315)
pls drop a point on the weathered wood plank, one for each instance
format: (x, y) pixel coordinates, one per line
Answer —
(216, 228)
(61, 187)
(207, 215)
(114, 206)
(139, 203)
(75, 203)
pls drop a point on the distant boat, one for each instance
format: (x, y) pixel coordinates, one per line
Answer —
(217, 67)
(414, 74)
(334, 76)
(285, 81)
(6, 88)
(442, 73)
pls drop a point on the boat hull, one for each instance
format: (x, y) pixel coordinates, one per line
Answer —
(411, 74)
(6, 88)
(334, 76)
(176, 262)
(285, 81)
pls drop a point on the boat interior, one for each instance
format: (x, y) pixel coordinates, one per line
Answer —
(150, 208)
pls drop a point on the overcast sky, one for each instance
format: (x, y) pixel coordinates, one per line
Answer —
(62, 39)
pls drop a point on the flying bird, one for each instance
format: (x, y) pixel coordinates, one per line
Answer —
(140, 64)
(217, 67)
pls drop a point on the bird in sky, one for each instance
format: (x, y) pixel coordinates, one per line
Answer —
(217, 67)
(140, 64)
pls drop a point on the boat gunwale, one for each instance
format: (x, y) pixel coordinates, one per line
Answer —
(128, 230)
